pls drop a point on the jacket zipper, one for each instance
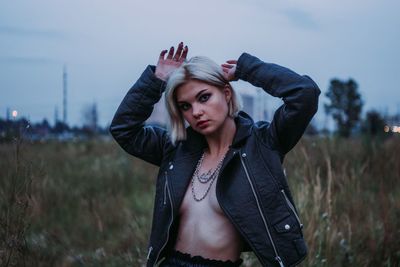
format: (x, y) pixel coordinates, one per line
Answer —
(292, 208)
(228, 214)
(165, 191)
(172, 217)
(277, 258)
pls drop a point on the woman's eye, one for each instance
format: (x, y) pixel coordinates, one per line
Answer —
(184, 107)
(204, 98)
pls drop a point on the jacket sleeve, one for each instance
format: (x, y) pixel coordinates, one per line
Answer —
(127, 127)
(299, 94)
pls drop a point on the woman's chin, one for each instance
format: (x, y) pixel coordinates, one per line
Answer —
(205, 131)
(209, 131)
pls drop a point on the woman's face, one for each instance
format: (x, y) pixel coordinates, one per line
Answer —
(203, 106)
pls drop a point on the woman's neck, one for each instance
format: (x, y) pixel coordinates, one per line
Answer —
(219, 141)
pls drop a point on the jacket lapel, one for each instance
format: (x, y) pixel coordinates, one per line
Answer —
(181, 176)
(244, 124)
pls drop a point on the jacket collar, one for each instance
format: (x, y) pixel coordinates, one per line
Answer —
(244, 124)
(196, 141)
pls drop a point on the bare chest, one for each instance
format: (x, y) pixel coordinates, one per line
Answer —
(204, 228)
(200, 199)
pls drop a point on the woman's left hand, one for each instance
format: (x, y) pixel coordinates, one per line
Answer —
(167, 65)
(229, 69)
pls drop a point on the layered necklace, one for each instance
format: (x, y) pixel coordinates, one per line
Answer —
(204, 178)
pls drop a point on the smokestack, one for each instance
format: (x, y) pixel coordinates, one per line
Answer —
(65, 94)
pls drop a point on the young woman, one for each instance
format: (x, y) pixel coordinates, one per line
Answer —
(220, 189)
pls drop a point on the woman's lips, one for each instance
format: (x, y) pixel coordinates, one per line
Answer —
(202, 124)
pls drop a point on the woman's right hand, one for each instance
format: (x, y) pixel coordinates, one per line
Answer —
(229, 69)
(166, 65)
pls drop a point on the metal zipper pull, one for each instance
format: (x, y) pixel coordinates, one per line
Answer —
(165, 189)
(150, 250)
(278, 259)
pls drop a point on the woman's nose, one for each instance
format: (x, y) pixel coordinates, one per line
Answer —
(197, 111)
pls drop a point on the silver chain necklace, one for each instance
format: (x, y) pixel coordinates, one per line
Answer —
(205, 177)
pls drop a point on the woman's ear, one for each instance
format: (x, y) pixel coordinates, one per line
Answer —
(227, 93)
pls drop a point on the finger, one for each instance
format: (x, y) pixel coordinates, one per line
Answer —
(178, 52)
(162, 54)
(184, 53)
(227, 66)
(170, 53)
(232, 61)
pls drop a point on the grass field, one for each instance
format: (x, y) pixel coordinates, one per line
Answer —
(90, 204)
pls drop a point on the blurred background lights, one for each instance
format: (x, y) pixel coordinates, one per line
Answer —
(393, 129)
(14, 114)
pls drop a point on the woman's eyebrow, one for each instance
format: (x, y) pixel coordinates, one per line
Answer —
(197, 95)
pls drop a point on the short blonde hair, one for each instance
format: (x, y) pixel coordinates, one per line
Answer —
(197, 68)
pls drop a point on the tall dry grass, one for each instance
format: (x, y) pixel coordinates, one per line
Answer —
(90, 204)
(15, 190)
(348, 194)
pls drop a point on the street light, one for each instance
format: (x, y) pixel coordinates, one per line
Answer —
(14, 114)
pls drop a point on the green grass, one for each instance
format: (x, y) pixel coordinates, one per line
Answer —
(90, 204)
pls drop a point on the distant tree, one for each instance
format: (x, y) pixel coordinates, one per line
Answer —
(45, 124)
(345, 105)
(42, 128)
(373, 123)
(60, 127)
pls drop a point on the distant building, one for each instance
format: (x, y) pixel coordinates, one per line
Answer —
(255, 103)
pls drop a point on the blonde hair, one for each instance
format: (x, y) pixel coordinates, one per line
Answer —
(197, 68)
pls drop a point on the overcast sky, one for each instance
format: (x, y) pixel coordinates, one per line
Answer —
(105, 45)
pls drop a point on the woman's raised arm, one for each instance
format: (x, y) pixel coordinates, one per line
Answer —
(128, 125)
(299, 94)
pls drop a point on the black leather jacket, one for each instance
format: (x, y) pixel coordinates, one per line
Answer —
(252, 189)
